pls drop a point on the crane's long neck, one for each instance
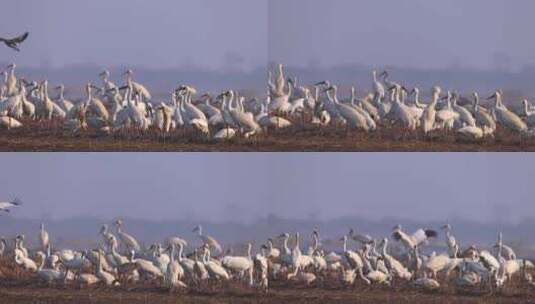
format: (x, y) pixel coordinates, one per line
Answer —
(45, 91)
(61, 92)
(249, 247)
(435, 98)
(290, 90)
(384, 248)
(89, 93)
(172, 255)
(417, 97)
(99, 265)
(113, 247)
(296, 241)
(335, 95)
(180, 251)
(270, 80)
(396, 94)
(230, 103)
(499, 103)
(129, 79)
(41, 265)
(285, 244)
(402, 96)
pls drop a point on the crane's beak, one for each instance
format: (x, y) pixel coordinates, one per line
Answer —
(491, 97)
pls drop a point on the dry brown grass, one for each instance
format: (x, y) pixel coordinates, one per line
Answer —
(49, 136)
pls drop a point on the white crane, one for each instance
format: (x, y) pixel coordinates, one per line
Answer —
(506, 117)
(136, 88)
(360, 238)
(104, 276)
(280, 81)
(11, 81)
(44, 238)
(503, 250)
(272, 252)
(416, 239)
(453, 247)
(396, 268)
(108, 87)
(354, 260)
(240, 264)
(215, 270)
(206, 239)
(65, 105)
(114, 257)
(429, 115)
(48, 275)
(400, 112)
(378, 87)
(106, 235)
(25, 262)
(245, 120)
(206, 107)
(353, 118)
(7, 205)
(482, 115)
(465, 117)
(530, 115)
(446, 116)
(175, 272)
(126, 239)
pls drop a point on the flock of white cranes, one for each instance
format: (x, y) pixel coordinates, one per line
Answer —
(120, 260)
(109, 108)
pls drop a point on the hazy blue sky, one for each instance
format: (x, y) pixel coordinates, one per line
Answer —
(212, 33)
(156, 33)
(243, 187)
(409, 33)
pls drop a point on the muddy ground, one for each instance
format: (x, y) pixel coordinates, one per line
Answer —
(49, 136)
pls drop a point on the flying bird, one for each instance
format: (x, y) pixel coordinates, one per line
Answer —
(14, 42)
(4, 206)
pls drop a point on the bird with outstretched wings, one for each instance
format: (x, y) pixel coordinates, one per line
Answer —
(14, 42)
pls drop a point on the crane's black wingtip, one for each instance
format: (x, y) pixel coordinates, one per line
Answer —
(430, 233)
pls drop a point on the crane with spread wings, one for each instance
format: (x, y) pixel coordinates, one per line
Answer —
(14, 42)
